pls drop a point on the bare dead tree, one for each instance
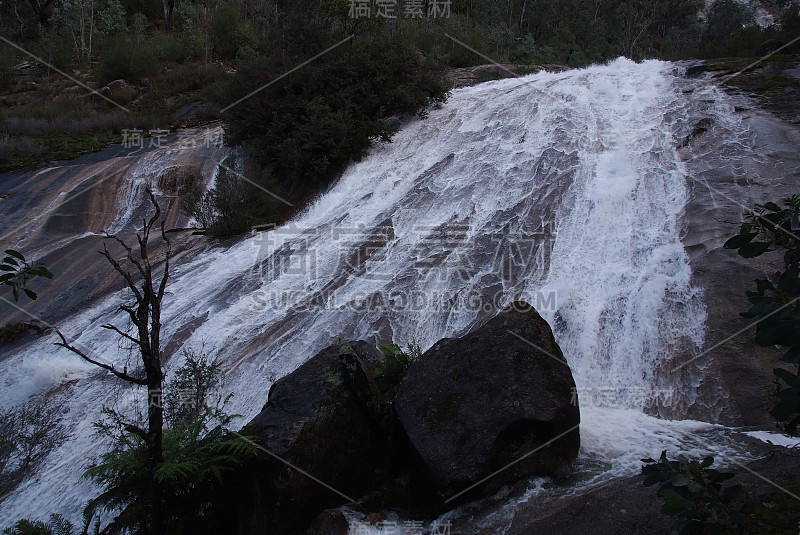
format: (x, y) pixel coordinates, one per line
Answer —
(145, 315)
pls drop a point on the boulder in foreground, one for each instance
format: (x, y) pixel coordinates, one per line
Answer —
(502, 394)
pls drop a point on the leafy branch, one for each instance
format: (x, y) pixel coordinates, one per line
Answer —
(776, 301)
(696, 495)
(16, 272)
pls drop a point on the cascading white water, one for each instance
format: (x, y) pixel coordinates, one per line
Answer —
(563, 189)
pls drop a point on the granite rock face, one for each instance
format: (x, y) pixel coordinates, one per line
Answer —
(503, 393)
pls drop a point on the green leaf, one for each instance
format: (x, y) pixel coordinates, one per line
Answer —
(680, 480)
(754, 249)
(788, 377)
(785, 410)
(708, 461)
(44, 272)
(652, 480)
(673, 502)
(793, 355)
(5, 267)
(775, 332)
(762, 285)
(771, 206)
(31, 295)
(740, 240)
(15, 254)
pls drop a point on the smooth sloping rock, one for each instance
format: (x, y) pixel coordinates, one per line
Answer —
(470, 406)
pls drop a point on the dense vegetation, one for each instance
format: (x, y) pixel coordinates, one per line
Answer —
(361, 71)
(774, 304)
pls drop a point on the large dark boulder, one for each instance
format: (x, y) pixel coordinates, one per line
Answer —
(502, 394)
(324, 418)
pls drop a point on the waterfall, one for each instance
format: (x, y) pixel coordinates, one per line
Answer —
(562, 189)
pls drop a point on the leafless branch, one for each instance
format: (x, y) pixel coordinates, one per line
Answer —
(108, 367)
(122, 334)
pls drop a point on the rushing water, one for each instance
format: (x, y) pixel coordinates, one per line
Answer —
(566, 190)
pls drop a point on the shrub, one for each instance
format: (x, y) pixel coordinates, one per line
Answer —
(122, 59)
(775, 301)
(96, 122)
(197, 205)
(230, 32)
(310, 126)
(167, 49)
(13, 331)
(696, 495)
(187, 394)
(27, 434)
(235, 204)
(19, 147)
(391, 370)
(197, 455)
(57, 525)
(55, 48)
(189, 77)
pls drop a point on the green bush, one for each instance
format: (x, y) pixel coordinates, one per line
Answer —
(122, 59)
(696, 495)
(167, 49)
(775, 301)
(55, 48)
(317, 120)
(391, 370)
(230, 32)
(197, 455)
(180, 79)
(56, 525)
(236, 203)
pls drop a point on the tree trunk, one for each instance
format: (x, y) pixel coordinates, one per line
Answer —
(168, 8)
(42, 11)
(155, 455)
(145, 315)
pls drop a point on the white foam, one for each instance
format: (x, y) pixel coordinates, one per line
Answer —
(775, 438)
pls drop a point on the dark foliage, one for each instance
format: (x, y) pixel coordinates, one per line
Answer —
(391, 370)
(696, 495)
(27, 434)
(776, 302)
(196, 456)
(318, 119)
(15, 272)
